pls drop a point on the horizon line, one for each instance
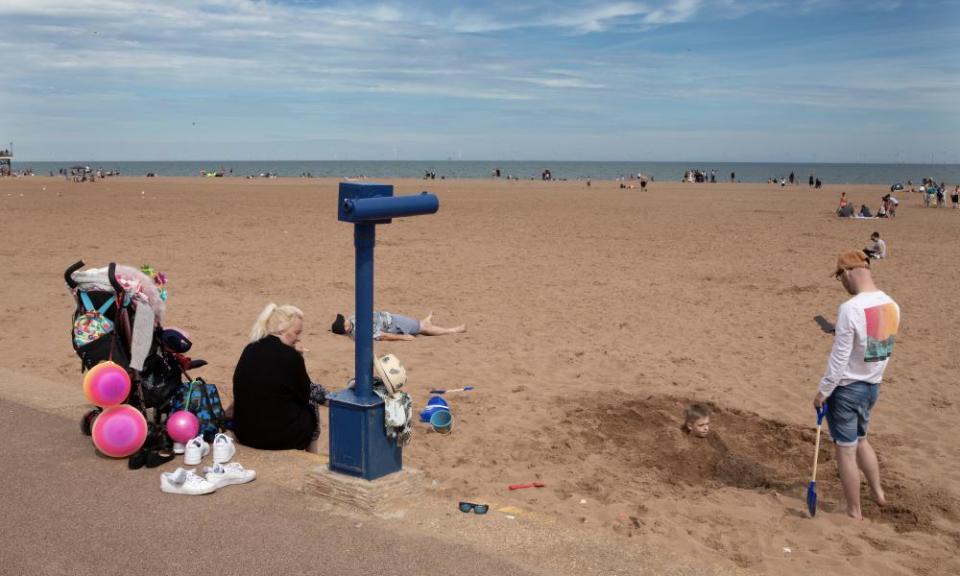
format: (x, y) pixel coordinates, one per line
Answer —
(451, 160)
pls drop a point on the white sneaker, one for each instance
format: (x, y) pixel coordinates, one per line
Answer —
(197, 450)
(223, 448)
(179, 447)
(185, 482)
(221, 475)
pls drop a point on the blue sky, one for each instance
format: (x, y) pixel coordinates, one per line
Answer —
(726, 80)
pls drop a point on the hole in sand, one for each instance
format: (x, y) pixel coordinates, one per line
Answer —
(744, 450)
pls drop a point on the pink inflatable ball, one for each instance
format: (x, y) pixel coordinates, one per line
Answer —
(106, 384)
(119, 431)
(182, 426)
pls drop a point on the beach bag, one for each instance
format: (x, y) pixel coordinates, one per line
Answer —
(203, 400)
(92, 324)
(162, 378)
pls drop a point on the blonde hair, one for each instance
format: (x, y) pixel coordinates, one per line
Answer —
(274, 320)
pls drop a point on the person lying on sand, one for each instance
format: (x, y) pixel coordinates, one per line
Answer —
(387, 326)
(696, 421)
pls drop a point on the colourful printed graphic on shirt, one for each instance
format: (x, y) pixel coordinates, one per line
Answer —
(882, 324)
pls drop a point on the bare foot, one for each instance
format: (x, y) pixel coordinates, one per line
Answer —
(459, 329)
(855, 514)
(878, 497)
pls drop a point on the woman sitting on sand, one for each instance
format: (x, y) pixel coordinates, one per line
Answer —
(274, 401)
(387, 326)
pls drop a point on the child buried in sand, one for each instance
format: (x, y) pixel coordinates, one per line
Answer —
(696, 421)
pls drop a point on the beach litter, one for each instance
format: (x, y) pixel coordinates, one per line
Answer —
(511, 510)
(522, 486)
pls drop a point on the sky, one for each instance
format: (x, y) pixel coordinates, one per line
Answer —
(657, 80)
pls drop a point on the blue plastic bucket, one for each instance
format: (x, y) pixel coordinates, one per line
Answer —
(442, 421)
(436, 403)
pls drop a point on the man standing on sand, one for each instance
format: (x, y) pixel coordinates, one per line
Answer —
(865, 332)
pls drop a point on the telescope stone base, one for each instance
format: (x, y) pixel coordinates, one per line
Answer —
(386, 494)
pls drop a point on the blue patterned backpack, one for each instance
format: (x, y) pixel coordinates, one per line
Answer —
(203, 400)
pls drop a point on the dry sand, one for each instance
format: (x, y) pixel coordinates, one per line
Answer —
(594, 314)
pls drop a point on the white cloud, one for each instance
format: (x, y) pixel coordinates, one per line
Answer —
(675, 12)
(579, 62)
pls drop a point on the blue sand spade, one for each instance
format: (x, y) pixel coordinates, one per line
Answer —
(812, 488)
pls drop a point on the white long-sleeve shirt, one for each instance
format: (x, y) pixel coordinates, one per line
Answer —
(866, 331)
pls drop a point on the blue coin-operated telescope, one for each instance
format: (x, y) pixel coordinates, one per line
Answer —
(358, 440)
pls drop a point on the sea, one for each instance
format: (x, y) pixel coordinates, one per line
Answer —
(855, 173)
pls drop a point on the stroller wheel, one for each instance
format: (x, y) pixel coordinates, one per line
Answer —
(86, 423)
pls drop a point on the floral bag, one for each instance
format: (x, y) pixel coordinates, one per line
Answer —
(92, 323)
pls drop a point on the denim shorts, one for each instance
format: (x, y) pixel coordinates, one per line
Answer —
(404, 325)
(848, 411)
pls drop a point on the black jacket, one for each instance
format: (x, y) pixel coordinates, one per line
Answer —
(271, 391)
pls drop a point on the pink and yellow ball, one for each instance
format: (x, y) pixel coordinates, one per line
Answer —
(119, 431)
(106, 384)
(182, 426)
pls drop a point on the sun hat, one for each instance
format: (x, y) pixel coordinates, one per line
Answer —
(391, 372)
(851, 259)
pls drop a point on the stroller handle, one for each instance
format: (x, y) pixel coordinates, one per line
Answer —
(68, 275)
(112, 275)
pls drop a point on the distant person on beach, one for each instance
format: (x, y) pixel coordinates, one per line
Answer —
(955, 197)
(845, 209)
(864, 212)
(817, 184)
(890, 204)
(274, 402)
(387, 326)
(811, 180)
(865, 333)
(877, 250)
(696, 421)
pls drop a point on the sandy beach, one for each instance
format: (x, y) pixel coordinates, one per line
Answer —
(594, 316)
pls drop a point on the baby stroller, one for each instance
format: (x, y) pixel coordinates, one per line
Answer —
(118, 317)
